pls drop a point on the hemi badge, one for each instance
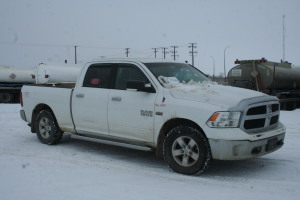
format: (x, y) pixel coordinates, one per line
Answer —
(159, 113)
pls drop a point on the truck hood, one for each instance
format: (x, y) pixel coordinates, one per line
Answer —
(213, 93)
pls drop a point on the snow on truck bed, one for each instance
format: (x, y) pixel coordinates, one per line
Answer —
(79, 168)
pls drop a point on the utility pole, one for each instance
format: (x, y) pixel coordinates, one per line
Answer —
(155, 51)
(283, 39)
(213, 58)
(225, 64)
(164, 51)
(174, 52)
(127, 51)
(193, 45)
(75, 54)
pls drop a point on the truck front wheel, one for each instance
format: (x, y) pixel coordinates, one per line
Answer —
(47, 129)
(186, 150)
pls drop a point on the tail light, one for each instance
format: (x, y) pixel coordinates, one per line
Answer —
(21, 99)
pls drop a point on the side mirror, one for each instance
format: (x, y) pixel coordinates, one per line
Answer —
(140, 86)
(148, 88)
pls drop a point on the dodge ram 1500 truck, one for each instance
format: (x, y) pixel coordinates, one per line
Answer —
(171, 107)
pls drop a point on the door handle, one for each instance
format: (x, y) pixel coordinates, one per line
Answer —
(79, 95)
(116, 98)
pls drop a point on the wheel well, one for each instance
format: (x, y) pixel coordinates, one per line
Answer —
(35, 113)
(168, 126)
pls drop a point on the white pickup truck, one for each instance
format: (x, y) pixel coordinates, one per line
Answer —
(171, 107)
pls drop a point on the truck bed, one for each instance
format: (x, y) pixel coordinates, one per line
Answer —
(56, 96)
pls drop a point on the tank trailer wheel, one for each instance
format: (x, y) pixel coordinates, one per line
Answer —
(6, 98)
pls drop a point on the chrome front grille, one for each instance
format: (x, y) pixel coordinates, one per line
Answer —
(260, 117)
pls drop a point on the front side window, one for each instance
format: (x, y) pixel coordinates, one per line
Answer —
(126, 73)
(98, 76)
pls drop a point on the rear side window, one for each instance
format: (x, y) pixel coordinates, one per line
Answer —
(98, 76)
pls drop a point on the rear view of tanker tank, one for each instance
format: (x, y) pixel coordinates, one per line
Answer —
(56, 73)
(11, 81)
(264, 76)
(278, 79)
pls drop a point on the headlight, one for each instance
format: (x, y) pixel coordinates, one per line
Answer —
(224, 120)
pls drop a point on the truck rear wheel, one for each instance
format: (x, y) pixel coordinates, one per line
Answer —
(186, 150)
(47, 129)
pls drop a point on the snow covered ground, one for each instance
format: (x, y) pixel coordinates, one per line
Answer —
(85, 169)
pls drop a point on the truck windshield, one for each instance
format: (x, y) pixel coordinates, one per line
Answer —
(176, 73)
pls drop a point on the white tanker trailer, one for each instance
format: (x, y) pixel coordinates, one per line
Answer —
(278, 79)
(13, 78)
(56, 73)
(17, 74)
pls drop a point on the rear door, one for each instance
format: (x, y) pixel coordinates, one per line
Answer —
(131, 112)
(90, 98)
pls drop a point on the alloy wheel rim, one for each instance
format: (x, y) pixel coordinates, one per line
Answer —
(45, 127)
(185, 151)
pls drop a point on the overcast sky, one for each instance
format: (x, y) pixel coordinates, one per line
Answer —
(34, 31)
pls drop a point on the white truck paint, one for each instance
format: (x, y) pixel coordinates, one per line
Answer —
(168, 106)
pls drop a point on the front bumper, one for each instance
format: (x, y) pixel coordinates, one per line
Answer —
(244, 149)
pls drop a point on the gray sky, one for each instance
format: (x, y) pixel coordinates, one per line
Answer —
(34, 31)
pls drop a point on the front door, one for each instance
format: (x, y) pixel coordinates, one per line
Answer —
(131, 112)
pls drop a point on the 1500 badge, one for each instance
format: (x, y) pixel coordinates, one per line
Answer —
(146, 113)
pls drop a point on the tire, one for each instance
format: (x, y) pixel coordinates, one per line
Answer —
(47, 129)
(186, 150)
(6, 98)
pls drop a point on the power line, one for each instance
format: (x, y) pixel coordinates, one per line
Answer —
(127, 50)
(192, 52)
(35, 44)
(56, 45)
(174, 52)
